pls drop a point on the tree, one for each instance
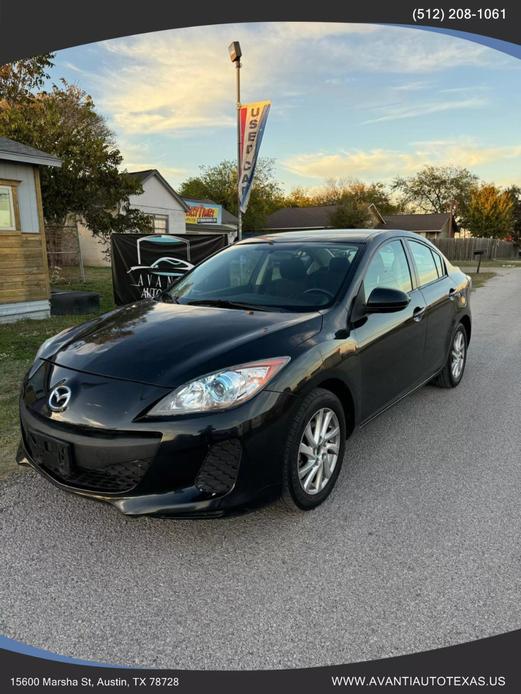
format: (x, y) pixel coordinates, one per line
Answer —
(515, 196)
(219, 183)
(437, 189)
(489, 212)
(19, 80)
(353, 196)
(299, 197)
(64, 122)
(352, 200)
(336, 191)
(350, 213)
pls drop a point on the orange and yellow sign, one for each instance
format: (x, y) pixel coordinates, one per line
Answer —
(203, 212)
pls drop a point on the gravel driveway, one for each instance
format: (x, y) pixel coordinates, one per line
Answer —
(418, 546)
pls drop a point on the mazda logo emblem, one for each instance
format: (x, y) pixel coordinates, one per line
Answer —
(59, 398)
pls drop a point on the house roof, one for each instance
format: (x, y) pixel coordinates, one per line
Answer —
(143, 176)
(227, 217)
(317, 217)
(418, 222)
(16, 151)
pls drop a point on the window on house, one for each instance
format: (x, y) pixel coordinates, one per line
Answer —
(160, 223)
(7, 209)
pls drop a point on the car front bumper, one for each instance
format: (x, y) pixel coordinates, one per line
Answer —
(192, 466)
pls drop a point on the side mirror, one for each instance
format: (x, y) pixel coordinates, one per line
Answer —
(386, 300)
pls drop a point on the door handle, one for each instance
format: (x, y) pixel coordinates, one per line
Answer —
(418, 313)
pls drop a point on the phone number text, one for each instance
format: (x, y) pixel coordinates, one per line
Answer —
(438, 14)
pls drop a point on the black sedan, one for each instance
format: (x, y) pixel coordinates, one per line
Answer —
(245, 380)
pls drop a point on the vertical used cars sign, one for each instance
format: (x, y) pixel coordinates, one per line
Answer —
(144, 265)
(253, 119)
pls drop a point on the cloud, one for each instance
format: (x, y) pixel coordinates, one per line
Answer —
(398, 112)
(79, 71)
(410, 52)
(138, 157)
(181, 81)
(72, 67)
(465, 90)
(384, 164)
(411, 86)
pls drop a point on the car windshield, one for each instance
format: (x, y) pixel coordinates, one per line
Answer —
(269, 276)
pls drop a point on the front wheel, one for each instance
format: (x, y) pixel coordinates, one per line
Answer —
(452, 372)
(314, 450)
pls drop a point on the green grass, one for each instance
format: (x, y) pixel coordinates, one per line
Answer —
(18, 344)
(464, 264)
(481, 278)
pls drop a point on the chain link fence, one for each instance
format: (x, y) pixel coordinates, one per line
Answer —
(64, 254)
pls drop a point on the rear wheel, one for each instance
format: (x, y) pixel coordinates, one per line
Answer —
(314, 450)
(452, 372)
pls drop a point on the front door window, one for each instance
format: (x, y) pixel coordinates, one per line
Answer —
(388, 268)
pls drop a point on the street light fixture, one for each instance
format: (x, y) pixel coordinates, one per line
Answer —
(234, 50)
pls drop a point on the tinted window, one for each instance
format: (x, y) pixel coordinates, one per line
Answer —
(424, 261)
(388, 268)
(241, 270)
(272, 269)
(280, 276)
(440, 265)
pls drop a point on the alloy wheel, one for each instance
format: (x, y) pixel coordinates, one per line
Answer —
(457, 360)
(318, 450)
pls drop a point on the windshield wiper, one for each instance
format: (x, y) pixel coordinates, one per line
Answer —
(225, 303)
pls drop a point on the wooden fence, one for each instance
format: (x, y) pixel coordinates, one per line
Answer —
(463, 249)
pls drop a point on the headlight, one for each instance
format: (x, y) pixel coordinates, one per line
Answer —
(220, 390)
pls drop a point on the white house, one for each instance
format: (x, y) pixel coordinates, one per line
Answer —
(159, 201)
(24, 291)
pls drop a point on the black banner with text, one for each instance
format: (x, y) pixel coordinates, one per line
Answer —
(144, 265)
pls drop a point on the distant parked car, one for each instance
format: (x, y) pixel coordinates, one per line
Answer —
(245, 381)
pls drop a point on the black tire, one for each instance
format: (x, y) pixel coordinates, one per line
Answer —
(293, 493)
(446, 378)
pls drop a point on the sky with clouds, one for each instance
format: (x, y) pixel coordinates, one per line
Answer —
(348, 100)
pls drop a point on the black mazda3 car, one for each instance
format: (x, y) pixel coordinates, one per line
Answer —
(245, 380)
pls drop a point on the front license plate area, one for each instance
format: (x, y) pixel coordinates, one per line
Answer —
(52, 454)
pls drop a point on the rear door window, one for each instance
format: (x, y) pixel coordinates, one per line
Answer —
(424, 261)
(440, 265)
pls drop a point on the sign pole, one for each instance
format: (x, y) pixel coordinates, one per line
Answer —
(239, 150)
(255, 117)
(235, 53)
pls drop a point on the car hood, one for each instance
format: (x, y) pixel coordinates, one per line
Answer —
(167, 344)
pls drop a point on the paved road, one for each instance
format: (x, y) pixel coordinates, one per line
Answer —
(418, 547)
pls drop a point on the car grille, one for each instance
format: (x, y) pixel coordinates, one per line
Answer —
(120, 477)
(112, 478)
(218, 473)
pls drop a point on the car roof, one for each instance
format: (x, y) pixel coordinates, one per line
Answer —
(328, 235)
